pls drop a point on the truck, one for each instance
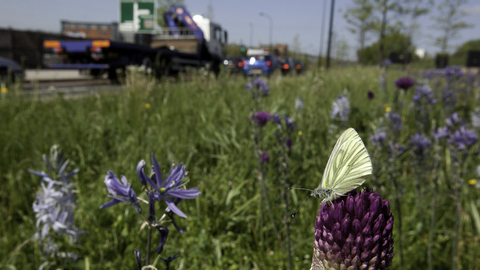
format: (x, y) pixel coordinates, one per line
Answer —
(187, 42)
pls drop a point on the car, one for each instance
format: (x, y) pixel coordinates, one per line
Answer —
(10, 70)
(259, 64)
(233, 64)
(299, 67)
(286, 64)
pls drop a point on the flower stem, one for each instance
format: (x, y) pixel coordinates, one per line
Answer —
(437, 158)
(149, 236)
(457, 187)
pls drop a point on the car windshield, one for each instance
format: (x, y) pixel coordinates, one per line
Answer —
(261, 57)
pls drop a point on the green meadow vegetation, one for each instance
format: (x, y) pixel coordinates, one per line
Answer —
(204, 122)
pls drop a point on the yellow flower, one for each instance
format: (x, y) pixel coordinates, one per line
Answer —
(472, 181)
(147, 105)
(300, 133)
(388, 109)
(4, 90)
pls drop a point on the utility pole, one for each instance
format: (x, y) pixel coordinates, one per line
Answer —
(332, 10)
(322, 34)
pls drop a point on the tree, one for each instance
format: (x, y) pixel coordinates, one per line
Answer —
(471, 45)
(163, 5)
(360, 18)
(449, 22)
(395, 42)
(342, 50)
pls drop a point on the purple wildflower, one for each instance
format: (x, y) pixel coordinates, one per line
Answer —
(168, 261)
(419, 144)
(463, 138)
(171, 188)
(396, 121)
(404, 83)
(261, 118)
(370, 95)
(425, 93)
(354, 232)
(276, 119)
(454, 120)
(340, 108)
(163, 238)
(265, 157)
(288, 143)
(258, 86)
(379, 137)
(121, 192)
(448, 98)
(440, 132)
(453, 71)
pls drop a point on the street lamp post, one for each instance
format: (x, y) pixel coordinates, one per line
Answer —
(271, 26)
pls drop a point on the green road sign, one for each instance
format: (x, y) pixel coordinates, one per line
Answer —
(137, 16)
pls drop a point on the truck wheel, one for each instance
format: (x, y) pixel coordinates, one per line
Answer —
(216, 68)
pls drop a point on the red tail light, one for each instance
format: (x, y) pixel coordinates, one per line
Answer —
(244, 62)
(269, 63)
(240, 64)
(286, 66)
(299, 67)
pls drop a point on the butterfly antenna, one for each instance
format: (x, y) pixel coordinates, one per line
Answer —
(293, 215)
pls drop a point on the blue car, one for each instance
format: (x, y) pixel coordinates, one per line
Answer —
(261, 64)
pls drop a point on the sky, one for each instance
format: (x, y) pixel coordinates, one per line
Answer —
(242, 20)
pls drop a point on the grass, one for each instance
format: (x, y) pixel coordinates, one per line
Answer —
(204, 123)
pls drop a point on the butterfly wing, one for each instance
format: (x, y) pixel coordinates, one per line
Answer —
(349, 164)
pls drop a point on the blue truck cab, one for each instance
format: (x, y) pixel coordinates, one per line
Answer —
(259, 64)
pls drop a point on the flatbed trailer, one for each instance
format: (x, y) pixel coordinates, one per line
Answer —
(105, 55)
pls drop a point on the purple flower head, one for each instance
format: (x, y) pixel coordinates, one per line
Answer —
(370, 95)
(354, 232)
(453, 71)
(404, 83)
(258, 86)
(396, 121)
(261, 118)
(288, 143)
(340, 108)
(463, 138)
(289, 123)
(396, 149)
(454, 120)
(120, 192)
(379, 137)
(386, 63)
(424, 93)
(419, 144)
(440, 132)
(163, 238)
(265, 157)
(168, 261)
(170, 188)
(449, 98)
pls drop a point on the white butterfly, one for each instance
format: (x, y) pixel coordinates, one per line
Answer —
(348, 167)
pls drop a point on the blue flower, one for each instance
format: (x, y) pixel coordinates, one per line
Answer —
(463, 138)
(340, 108)
(172, 187)
(379, 137)
(386, 62)
(121, 192)
(454, 120)
(396, 121)
(258, 85)
(440, 132)
(426, 93)
(419, 144)
(163, 238)
(452, 71)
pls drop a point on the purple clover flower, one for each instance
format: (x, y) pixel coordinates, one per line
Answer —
(288, 143)
(419, 144)
(396, 121)
(370, 95)
(171, 188)
(404, 83)
(463, 138)
(265, 157)
(354, 232)
(121, 192)
(261, 118)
